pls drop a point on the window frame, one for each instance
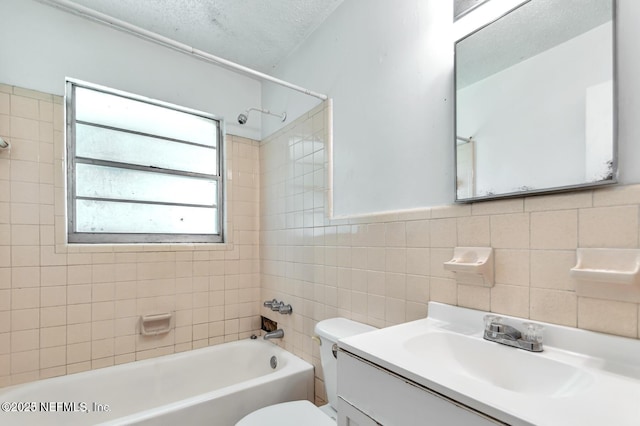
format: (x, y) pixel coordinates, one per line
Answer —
(75, 237)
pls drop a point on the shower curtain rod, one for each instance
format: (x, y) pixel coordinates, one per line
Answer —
(121, 25)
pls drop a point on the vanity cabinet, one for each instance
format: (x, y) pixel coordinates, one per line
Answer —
(369, 395)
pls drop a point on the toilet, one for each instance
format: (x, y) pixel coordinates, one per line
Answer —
(304, 412)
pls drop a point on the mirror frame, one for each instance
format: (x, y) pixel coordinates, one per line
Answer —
(469, 9)
(550, 190)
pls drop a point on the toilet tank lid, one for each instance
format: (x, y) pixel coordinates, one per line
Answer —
(335, 329)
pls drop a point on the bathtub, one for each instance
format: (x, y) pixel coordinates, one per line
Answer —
(216, 385)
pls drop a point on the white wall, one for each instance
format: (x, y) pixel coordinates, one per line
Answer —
(599, 138)
(75, 47)
(534, 134)
(628, 16)
(389, 66)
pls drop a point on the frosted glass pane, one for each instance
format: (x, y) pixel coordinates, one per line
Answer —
(113, 145)
(124, 184)
(113, 217)
(124, 113)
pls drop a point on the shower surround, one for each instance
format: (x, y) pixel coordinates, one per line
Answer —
(66, 309)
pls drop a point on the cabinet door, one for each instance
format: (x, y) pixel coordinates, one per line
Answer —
(387, 399)
(348, 415)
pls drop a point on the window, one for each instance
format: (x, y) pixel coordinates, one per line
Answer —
(141, 171)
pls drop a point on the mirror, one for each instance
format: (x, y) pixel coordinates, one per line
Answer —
(535, 101)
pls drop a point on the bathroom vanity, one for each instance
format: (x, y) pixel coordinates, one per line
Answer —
(441, 371)
(370, 395)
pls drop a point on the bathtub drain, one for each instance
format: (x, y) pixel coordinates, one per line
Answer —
(273, 362)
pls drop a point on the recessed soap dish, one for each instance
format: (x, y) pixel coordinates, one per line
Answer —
(154, 324)
(612, 274)
(472, 265)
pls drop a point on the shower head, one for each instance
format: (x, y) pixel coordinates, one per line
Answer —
(243, 118)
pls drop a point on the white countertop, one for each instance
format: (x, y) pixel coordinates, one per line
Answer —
(606, 390)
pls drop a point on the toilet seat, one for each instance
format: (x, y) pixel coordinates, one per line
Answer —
(288, 414)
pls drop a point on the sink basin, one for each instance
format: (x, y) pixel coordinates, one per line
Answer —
(498, 365)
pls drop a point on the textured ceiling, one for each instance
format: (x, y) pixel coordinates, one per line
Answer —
(529, 30)
(254, 33)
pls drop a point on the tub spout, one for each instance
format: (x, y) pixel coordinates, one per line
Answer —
(276, 334)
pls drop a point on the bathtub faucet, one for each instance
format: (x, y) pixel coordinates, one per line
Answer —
(276, 334)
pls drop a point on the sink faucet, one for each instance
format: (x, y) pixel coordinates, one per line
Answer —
(276, 334)
(496, 331)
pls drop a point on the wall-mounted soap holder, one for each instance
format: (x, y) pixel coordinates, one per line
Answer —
(612, 274)
(154, 324)
(472, 265)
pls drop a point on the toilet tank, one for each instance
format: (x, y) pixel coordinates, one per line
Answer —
(330, 331)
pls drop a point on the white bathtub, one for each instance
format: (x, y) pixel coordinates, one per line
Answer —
(216, 385)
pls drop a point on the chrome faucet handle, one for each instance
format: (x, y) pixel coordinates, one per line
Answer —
(285, 309)
(276, 306)
(269, 303)
(532, 332)
(496, 327)
(493, 323)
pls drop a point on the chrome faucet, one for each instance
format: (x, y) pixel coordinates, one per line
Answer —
(274, 305)
(496, 331)
(276, 334)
